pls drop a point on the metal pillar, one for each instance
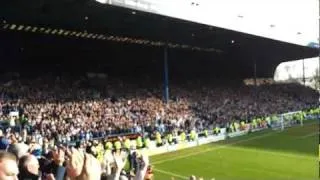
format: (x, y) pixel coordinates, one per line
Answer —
(303, 73)
(318, 79)
(255, 72)
(166, 75)
(255, 80)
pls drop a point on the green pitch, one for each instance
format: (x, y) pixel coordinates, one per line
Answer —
(290, 154)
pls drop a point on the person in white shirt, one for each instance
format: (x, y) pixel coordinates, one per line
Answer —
(12, 121)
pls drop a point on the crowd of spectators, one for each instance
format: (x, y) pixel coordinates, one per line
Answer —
(67, 163)
(37, 115)
(65, 109)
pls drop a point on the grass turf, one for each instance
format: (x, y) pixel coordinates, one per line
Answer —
(264, 155)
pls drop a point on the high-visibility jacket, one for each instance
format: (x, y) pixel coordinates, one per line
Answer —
(206, 133)
(117, 145)
(243, 125)
(100, 152)
(193, 135)
(139, 142)
(127, 144)
(109, 146)
(158, 138)
(217, 130)
(147, 142)
(183, 136)
(254, 123)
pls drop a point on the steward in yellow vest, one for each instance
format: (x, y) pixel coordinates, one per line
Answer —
(117, 146)
(193, 135)
(254, 124)
(146, 142)
(243, 125)
(206, 133)
(182, 136)
(139, 142)
(109, 146)
(127, 143)
(100, 152)
(158, 139)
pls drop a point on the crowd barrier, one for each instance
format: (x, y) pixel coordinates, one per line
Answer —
(223, 135)
(153, 150)
(167, 148)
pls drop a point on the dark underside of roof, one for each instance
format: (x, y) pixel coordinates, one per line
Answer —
(237, 58)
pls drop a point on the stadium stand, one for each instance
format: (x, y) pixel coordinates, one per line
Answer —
(56, 111)
(62, 122)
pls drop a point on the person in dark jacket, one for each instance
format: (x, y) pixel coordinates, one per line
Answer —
(57, 170)
(55, 166)
(4, 142)
(29, 169)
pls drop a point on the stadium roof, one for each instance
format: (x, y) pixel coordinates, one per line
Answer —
(88, 19)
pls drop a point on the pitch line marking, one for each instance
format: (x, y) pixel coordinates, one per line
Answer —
(171, 173)
(276, 153)
(309, 135)
(267, 172)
